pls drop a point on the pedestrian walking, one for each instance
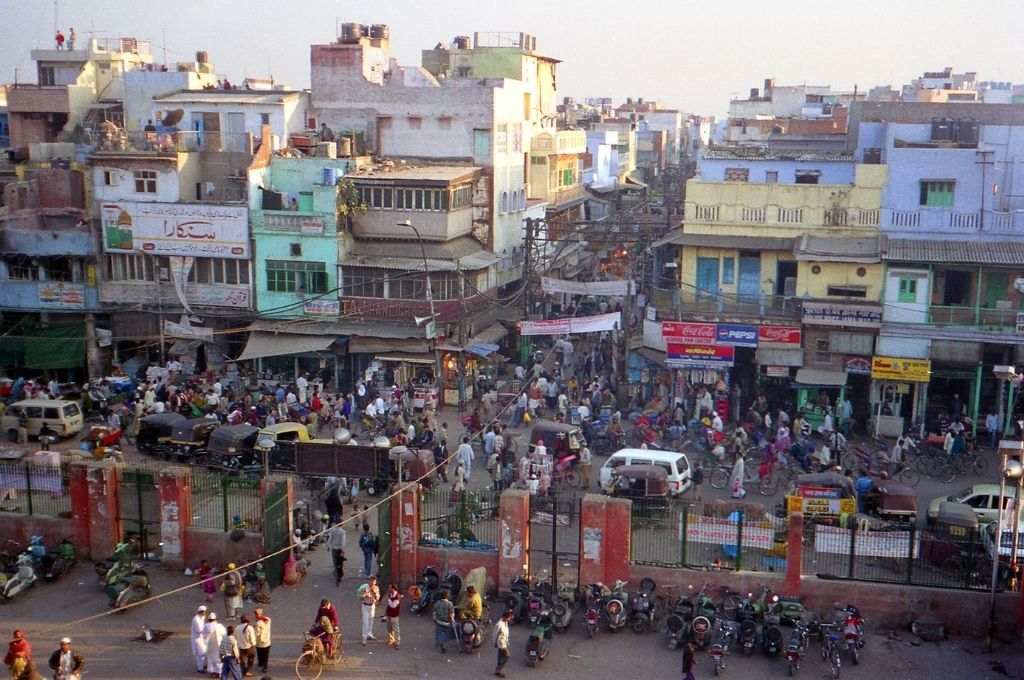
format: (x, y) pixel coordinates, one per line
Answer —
(246, 636)
(205, 575)
(229, 656)
(65, 663)
(197, 639)
(441, 459)
(232, 586)
(586, 463)
(214, 633)
(336, 539)
(501, 641)
(444, 621)
(368, 544)
(392, 610)
(698, 482)
(689, 660)
(263, 640)
(369, 596)
(19, 656)
(465, 455)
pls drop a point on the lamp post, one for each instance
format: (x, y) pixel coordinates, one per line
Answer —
(1009, 469)
(265, 445)
(432, 327)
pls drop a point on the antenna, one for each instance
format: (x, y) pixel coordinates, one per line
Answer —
(163, 32)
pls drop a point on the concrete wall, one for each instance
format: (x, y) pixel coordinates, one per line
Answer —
(140, 87)
(832, 172)
(217, 548)
(168, 180)
(811, 285)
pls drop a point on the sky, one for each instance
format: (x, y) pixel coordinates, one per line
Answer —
(694, 56)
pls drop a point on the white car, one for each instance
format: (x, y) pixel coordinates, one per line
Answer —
(983, 499)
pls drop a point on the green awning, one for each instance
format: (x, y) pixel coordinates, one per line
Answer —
(55, 346)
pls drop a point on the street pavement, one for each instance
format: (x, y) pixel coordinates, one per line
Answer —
(46, 611)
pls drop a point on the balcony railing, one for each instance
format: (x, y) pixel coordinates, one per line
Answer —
(689, 301)
(168, 143)
(309, 224)
(976, 317)
(954, 221)
(780, 216)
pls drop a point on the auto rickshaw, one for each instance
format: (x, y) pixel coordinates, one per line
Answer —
(231, 447)
(646, 485)
(287, 432)
(563, 443)
(413, 463)
(155, 433)
(953, 544)
(189, 439)
(826, 496)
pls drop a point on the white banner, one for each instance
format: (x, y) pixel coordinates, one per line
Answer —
(184, 330)
(894, 544)
(724, 532)
(180, 268)
(183, 229)
(614, 288)
(582, 324)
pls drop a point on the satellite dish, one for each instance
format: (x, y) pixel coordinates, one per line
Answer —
(173, 118)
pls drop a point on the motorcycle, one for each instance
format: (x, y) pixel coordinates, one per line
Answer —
(57, 563)
(678, 623)
(596, 593)
(23, 578)
(771, 638)
(643, 608)
(725, 634)
(135, 588)
(796, 648)
(562, 610)
(428, 588)
(473, 631)
(516, 599)
(535, 607)
(746, 614)
(539, 643)
(615, 607)
(853, 632)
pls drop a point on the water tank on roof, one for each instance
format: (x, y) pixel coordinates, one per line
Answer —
(202, 57)
(968, 131)
(380, 32)
(351, 33)
(344, 147)
(942, 130)
(461, 42)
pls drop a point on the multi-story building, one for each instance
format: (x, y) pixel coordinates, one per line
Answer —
(942, 86)
(556, 177)
(953, 217)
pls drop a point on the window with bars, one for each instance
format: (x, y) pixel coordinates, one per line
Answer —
(296, 277)
(937, 193)
(20, 268)
(213, 270)
(145, 181)
(129, 268)
(363, 282)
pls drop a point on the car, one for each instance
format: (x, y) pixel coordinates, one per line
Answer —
(675, 464)
(982, 498)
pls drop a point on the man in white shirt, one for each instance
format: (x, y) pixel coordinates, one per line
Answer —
(716, 422)
(303, 385)
(501, 641)
(465, 455)
(198, 641)
(379, 403)
(218, 388)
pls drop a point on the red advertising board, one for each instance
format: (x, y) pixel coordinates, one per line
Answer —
(779, 335)
(691, 333)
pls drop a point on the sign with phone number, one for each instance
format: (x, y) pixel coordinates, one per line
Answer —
(821, 506)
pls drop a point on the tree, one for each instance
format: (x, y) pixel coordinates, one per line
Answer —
(348, 202)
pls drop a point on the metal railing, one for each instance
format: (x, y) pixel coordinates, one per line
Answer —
(965, 315)
(460, 520)
(954, 221)
(35, 489)
(135, 141)
(687, 300)
(220, 501)
(769, 214)
(696, 536)
(941, 557)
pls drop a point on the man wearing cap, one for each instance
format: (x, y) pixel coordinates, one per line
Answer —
(198, 641)
(214, 633)
(232, 592)
(65, 663)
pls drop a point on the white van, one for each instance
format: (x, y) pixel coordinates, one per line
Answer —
(63, 417)
(674, 463)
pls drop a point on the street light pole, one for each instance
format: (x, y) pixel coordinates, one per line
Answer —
(995, 557)
(433, 314)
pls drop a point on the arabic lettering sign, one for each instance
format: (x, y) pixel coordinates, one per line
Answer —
(693, 333)
(832, 314)
(689, 355)
(900, 369)
(737, 335)
(779, 335)
(218, 295)
(182, 229)
(60, 295)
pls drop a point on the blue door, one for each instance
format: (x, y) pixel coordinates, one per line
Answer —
(750, 279)
(707, 278)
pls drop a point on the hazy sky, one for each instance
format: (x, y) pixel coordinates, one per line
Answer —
(691, 55)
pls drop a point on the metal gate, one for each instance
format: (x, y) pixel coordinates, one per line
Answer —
(138, 511)
(275, 532)
(384, 541)
(554, 538)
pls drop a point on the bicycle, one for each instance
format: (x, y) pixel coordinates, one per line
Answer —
(311, 662)
(722, 473)
(780, 476)
(968, 462)
(830, 635)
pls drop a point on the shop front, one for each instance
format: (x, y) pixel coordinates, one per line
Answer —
(818, 393)
(280, 358)
(778, 356)
(899, 393)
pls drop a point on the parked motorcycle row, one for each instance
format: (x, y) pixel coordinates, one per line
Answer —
(21, 569)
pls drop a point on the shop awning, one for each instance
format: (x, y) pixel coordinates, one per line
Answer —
(278, 344)
(55, 347)
(651, 355)
(766, 356)
(680, 238)
(424, 359)
(816, 377)
(368, 345)
(953, 252)
(490, 335)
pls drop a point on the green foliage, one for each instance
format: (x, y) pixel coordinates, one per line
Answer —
(348, 202)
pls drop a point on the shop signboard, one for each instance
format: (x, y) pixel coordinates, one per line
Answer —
(779, 335)
(737, 335)
(61, 295)
(689, 355)
(899, 369)
(717, 531)
(690, 333)
(776, 371)
(322, 307)
(178, 229)
(836, 314)
(857, 365)
(821, 506)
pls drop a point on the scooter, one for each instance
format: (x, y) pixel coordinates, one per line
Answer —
(615, 607)
(796, 647)
(853, 632)
(23, 579)
(516, 599)
(539, 643)
(428, 588)
(136, 588)
(57, 563)
(725, 633)
(535, 607)
(643, 608)
(771, 637)
(561, 612)
(472, 632)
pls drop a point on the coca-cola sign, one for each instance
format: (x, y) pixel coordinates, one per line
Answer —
(779, 335)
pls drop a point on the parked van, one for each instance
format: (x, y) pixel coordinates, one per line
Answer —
(62, 417)
(675, 464)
